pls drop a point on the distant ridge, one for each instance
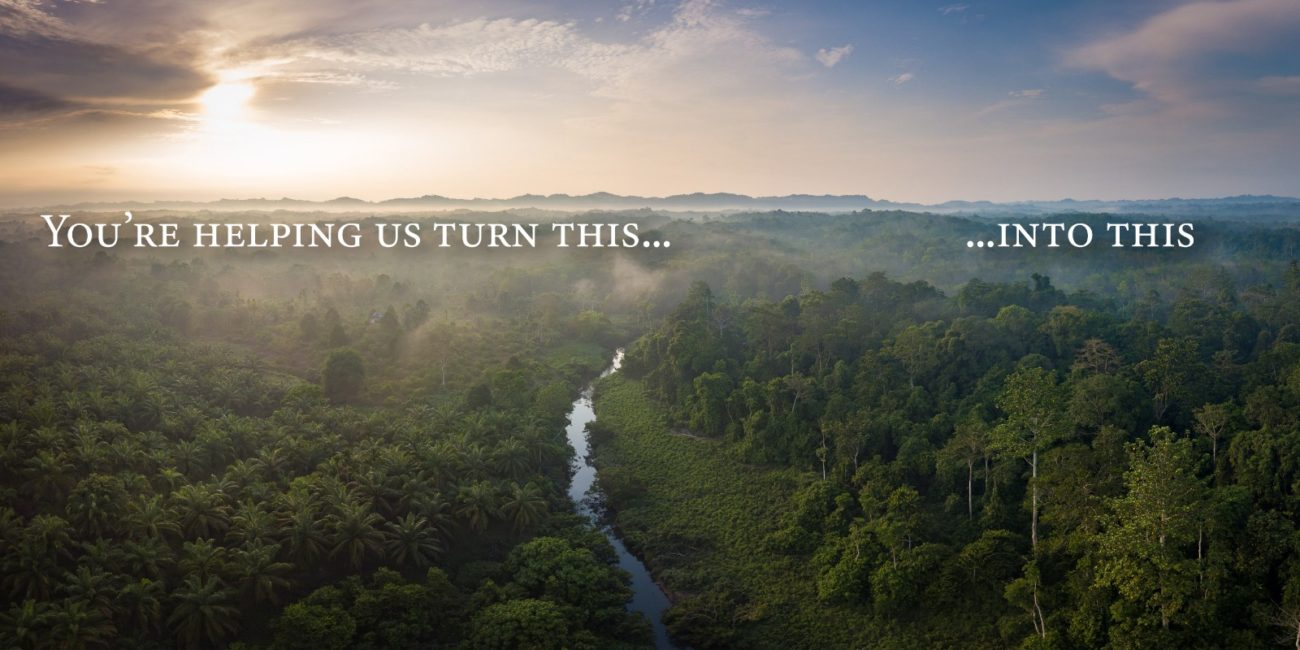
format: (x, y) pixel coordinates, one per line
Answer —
(1261, 205)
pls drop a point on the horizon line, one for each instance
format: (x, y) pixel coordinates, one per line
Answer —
(610, 196)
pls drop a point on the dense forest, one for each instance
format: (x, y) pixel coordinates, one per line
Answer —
(1008, 465)
(365, 448)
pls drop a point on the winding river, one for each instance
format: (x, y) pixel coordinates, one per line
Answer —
(647, 597)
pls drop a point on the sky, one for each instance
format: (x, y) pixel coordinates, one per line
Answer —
(902, 100)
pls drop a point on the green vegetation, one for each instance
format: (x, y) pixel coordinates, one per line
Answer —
(364, 448)
(328, 464)
(679, 493)
(1009, 466)
(341, 379)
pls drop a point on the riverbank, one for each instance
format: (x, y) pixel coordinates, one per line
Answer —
(699, 519)
(648, 598)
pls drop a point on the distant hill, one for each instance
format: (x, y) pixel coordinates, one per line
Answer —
(1246, 206)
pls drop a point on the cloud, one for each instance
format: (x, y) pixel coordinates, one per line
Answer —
(1207, 57)
(98, 173)
(25, 18)
(326, 79)
(1280, 85)
(704, 53)
(633, 9)
(154, 57)
(834, 55)
(52, 67)
(701, 47)
(462, 49)
(20, 102)
(1018, 98)
(953, 9)
(900, 79)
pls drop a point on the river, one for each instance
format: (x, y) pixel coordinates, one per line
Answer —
(647, 597)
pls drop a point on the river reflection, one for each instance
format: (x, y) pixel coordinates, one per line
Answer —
(647, 597)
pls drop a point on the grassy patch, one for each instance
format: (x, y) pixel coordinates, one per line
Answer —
(577, 354)
(699, 518)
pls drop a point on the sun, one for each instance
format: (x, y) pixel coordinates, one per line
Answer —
(226, 100)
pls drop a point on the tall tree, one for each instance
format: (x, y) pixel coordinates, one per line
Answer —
(343, 375)
(1034, 403)
(1143, 547)
(1212, 422)
(1171, 373)
(968, 446)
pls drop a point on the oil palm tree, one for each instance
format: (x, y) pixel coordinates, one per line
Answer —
(203, 612)
(416, 487)
(167, 477)
(252, 522)
(127, 454)
(435, 509)
(336, 495)
(356, 533)
(202, 508)
(242, 474)
(260, 574)
(542, 450)
(374, 487)
(272, 462)
(11, 527)
(474, 461)
(511, 458)
(439, 459)
(25, 625)
(30, 568)
(149, 516)
(477, 505)
(524, 506)
(51, 534)
(149, 557)
(139, 604)
(77, 626)
(87, 449)
(412, 541)
(303, 534)
(49, 476)
(444, 417)
(187, 457)
(397, 461)
(95, 505)
(101, 554)
(91, 586)
(203, 558)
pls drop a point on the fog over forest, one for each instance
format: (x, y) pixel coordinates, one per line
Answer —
(832, 429)
(699, 324)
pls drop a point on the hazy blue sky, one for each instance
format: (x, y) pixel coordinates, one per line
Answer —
(900, 100)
